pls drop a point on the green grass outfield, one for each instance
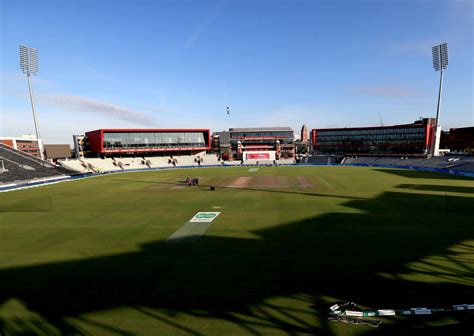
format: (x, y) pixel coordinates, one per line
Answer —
(91, 257)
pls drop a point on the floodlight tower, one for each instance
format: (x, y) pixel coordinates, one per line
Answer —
(440, 62)
(29, 66)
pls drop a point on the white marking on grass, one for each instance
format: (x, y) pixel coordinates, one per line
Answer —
(189, 232)
(193, 229)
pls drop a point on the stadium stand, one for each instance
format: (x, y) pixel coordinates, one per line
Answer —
(20, 166)
(259, 162)
(127, 163)
(466, 167)
(285, 161)
(211, 159)
(232, 163)
(75, 165)
(88, 165)
(361, 160)
(459, 163)
(158, 161)
(98, 165)
(316, 160)
(398, 161)
(442, 162)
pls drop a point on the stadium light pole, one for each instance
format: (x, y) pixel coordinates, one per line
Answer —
(440, 62)
(29, 66)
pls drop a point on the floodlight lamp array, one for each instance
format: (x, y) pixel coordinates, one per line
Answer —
(440, 56)
(28, 60)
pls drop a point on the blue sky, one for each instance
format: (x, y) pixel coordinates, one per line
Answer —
(274, 63)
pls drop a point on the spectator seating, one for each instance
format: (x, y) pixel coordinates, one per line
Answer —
(232, 163)
(260, 162)
(211, 160)
(76, 165)
(361, 160)
(127, 163)
(20, 166)
(467, 167)
(459, 163)
(285, 161)
(316, 160)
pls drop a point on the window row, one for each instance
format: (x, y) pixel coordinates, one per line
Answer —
(369, 137)
(149, 138)
(382, 131)
(371, 142)
(261, 134)
(371, 150)
(117, 145)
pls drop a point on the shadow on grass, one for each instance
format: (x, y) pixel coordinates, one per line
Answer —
(442, 188)
(416, 174)
(361, 257)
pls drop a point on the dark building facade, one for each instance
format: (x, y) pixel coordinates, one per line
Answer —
(148, 141)
(398, 140)
(221, 144)
(458, 140)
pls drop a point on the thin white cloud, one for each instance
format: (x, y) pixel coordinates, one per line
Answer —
(195, 34)
(89, 105)
(201, 27)
(383, 91)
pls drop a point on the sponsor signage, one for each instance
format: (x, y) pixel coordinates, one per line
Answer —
(256, 156)
(204, 217)
(386, 312)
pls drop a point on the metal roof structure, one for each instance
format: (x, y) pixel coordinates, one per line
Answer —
(262, 129)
